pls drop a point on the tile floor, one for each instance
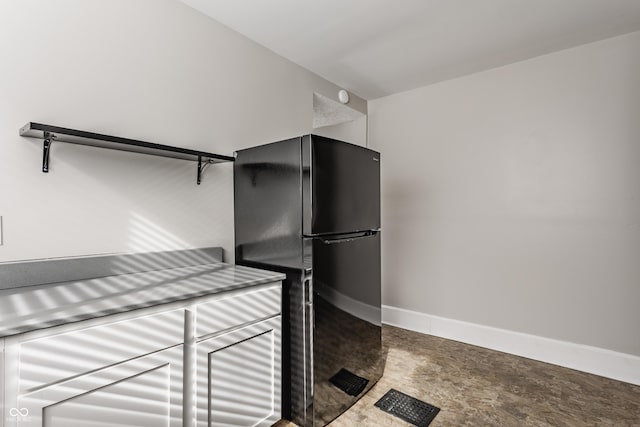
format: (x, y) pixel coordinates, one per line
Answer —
(474, 386)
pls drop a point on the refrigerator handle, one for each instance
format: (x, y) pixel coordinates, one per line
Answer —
(308, 292)
(309, 310)
(350, 239)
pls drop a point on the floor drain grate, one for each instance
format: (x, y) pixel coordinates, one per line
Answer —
(349, 382)
(408, 408)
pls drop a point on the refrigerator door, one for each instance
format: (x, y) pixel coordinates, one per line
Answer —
(347, 320)
(341, 187)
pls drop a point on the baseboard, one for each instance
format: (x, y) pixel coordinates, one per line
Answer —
(594, 360)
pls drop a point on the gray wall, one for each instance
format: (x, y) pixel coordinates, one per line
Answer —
(511, 197)
(154, 70)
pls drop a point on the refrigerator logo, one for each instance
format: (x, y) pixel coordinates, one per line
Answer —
(375, 159)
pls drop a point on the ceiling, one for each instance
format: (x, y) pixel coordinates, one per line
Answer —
(375, 48)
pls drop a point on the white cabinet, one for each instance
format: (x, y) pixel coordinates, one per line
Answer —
(143, 392)
(3, 405)
(56, 357)
(212, 361)
(239, 377)
(127, 372)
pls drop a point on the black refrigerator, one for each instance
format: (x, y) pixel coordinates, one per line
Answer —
(310, 207)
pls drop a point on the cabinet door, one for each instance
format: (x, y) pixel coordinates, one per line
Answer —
(3, 403)
(142, 392)
(239, 377)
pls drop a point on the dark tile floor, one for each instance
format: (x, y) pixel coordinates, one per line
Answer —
(474, 386)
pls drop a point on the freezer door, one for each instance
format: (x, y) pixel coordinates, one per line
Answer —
(347, 320)
(268, 205)
(344, 187)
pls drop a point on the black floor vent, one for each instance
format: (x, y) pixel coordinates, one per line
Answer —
(408, 408)
(349, 382)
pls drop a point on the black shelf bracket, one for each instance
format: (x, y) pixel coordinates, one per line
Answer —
(46, 150)
(49, 133)
(202, 165)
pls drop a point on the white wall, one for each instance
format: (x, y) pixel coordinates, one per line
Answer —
(354, 131)
(154, 70)
(511, 197)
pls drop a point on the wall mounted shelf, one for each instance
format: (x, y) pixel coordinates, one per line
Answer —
(49, 134)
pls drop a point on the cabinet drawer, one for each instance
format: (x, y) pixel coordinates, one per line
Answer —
(55, 358)
(236, 310)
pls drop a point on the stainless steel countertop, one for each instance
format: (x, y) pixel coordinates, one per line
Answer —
(31, 308)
